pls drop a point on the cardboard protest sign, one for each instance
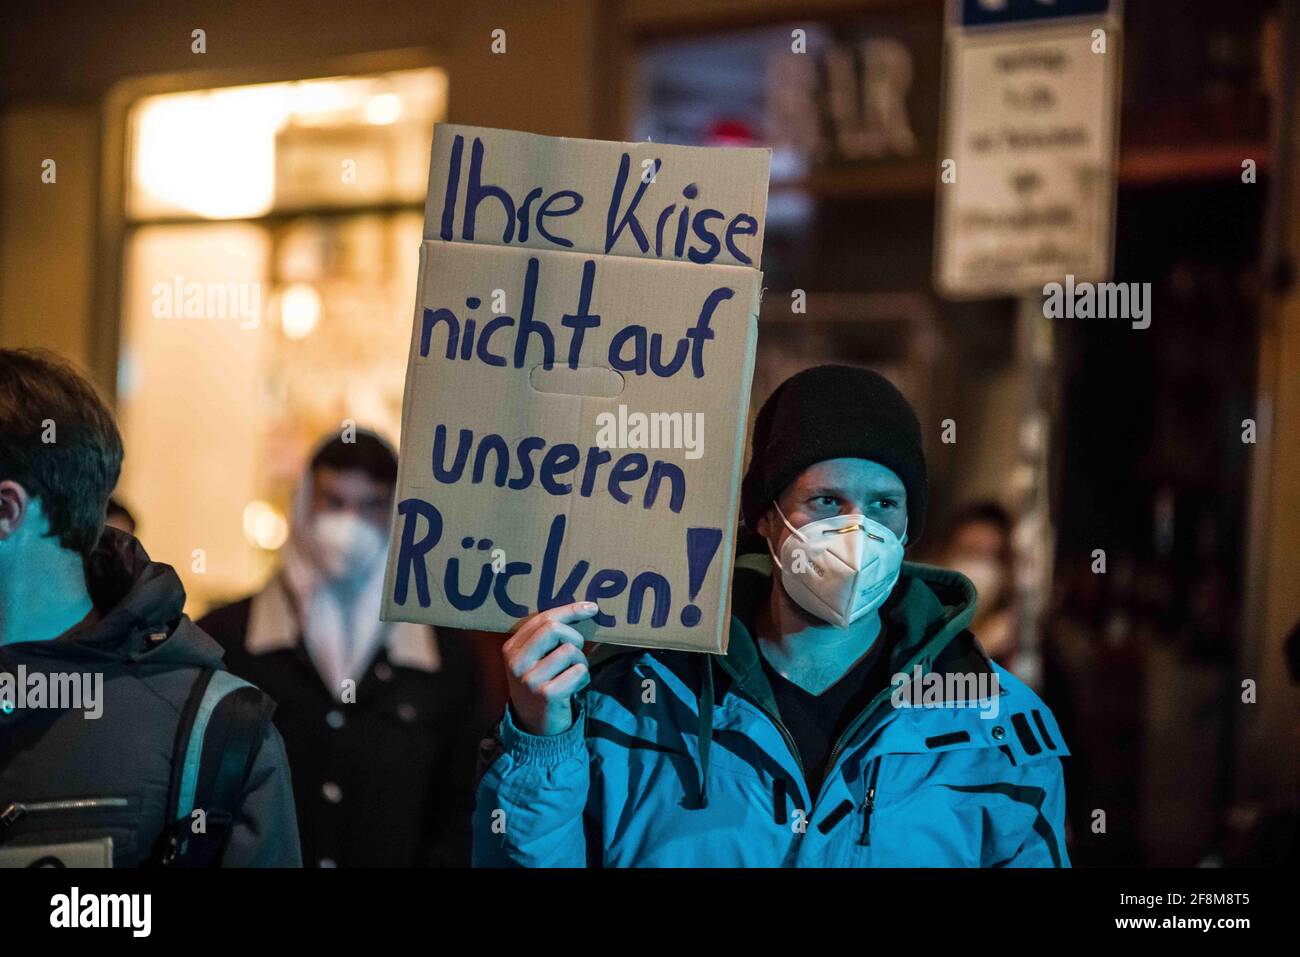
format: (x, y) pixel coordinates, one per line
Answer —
(576, 395)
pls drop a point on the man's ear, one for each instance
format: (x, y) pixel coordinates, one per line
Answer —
(772, 529)
(15, 506)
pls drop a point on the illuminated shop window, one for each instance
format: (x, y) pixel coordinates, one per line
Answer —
(269, 277)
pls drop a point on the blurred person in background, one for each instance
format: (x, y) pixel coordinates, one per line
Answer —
(978, 545)
(381, 719)
(110, 777)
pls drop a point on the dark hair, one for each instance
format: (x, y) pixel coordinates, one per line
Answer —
(75, 470)
(985, 512)
(367, 453)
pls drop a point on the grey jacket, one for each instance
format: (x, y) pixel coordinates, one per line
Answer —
(69, 775)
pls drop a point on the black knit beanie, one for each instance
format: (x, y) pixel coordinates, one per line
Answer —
(831, 412)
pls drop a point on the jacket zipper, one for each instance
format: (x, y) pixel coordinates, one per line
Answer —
(854, 727)
(869, 804)
(15, 811)
(843, 739)
(785, 733)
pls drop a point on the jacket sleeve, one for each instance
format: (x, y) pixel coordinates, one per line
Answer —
(1042, 835)
(530, 802)
(265, 831)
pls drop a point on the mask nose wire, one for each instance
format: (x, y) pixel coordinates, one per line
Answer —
(855, 527)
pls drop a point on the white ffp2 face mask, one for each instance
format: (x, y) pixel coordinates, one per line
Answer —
(839, 568)
(344, 544)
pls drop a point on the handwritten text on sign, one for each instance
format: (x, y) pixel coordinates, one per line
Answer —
(508, 502)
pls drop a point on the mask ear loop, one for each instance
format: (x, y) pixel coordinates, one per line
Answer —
(793, 531)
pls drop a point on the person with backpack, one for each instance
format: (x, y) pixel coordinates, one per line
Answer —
(123, 740)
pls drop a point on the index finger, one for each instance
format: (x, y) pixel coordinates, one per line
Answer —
(568, 614)
(561, 614)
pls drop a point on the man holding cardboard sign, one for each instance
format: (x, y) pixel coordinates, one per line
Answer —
(566, 285)
(853, 722)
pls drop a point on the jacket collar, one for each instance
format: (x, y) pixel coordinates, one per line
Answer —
(928, 608)
(273, 626)
(139, 611)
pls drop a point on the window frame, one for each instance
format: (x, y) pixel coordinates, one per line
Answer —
(114, 226)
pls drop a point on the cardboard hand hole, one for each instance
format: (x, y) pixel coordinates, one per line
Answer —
(584, 380)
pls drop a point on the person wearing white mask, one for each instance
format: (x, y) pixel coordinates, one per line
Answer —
(979, 545)
(854, 720)
(380, 719)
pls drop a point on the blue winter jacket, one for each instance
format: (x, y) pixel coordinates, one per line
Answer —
(680, 760)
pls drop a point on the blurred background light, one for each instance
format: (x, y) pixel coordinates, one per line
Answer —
(384, 109)
(264, 526)
(299, 310)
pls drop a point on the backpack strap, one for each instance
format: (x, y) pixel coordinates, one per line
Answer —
(217, 740)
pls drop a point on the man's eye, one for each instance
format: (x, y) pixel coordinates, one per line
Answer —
(888, 503)
(827, 500)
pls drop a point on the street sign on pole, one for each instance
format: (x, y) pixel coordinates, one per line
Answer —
(1029, 145)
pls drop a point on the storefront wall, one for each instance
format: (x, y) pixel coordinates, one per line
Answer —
(59, 74)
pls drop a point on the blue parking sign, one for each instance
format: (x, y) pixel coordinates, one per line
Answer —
(980, 13)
